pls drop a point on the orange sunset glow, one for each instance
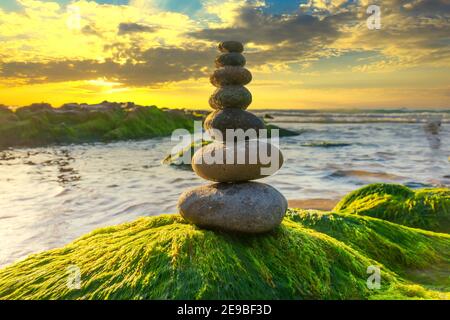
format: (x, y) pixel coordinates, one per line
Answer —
(303, 54)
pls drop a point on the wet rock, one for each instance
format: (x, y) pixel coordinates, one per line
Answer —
(221, 120)
(230, 76)
(237, 162)
(7, 115)
(4, 109)
(35, 109)
(230, 59)
(236, 156)
(248, 207)
(231, 46)
(231, 97)
(282, 132)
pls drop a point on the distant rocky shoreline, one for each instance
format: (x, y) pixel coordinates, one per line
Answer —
(40, 124)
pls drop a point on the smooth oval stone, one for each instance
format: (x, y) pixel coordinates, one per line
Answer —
(230, 59)
(237, 162)
(231, 97)
(221, 120)
(249, 207)
(231, 46)
(230, 76)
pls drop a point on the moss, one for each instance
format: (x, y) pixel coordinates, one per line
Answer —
(165, 258)
(427, 209)
(312, 255)
(6, 115)
(40, 124)
(402, 249)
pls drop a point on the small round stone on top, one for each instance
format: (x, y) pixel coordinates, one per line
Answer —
(231, 46)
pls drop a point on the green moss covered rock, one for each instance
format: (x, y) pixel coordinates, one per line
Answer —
(312, 255)
(40, 124)
(407, 251)
(165, 258)
(427, 209)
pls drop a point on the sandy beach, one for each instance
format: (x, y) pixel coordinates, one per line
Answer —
(316, 204)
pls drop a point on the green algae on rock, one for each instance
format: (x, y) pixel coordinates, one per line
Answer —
(427, 209)
(166, 258)
(398, 247)
(40, 124)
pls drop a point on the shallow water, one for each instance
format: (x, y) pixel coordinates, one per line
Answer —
(50, 196)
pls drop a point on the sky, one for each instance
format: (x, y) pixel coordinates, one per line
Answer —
(305, 54)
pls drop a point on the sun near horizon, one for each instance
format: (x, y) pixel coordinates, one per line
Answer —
(302, 54)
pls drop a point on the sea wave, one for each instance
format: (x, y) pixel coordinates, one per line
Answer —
(310, 116)
(325, 144)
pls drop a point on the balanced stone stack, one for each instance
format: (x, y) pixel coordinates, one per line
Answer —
(233, 203)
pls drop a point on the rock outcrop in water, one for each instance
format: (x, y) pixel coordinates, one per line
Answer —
(41, 124)
(427, 209)
(234, 204)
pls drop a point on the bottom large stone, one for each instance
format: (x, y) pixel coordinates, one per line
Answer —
(248, 207)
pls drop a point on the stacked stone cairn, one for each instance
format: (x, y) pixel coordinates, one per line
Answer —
(233, 202)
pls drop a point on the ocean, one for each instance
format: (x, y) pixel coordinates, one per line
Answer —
(50, 196)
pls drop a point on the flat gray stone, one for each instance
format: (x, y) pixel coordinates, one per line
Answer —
(221, 120)
(230, 76)
(231, 46)
(248, 207)
(237, 162)
(231, 97)
(230, 59)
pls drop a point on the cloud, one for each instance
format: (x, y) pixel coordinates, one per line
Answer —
(413, 32)
(425, 7)
(46, 30)
(280, 39)
(37, 46)
(129, 27)
(152, 67)
(253, 25)
(90, 30)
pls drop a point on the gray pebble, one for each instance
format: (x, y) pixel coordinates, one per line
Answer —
(248, 207)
